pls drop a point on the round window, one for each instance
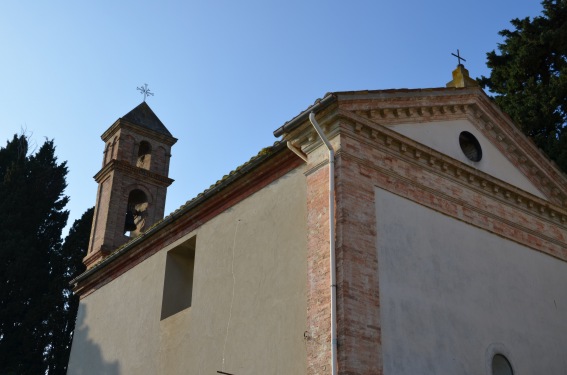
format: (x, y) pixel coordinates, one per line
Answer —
(501, 365)
(470, 146)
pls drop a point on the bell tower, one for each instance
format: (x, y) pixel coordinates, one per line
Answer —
(132, 182)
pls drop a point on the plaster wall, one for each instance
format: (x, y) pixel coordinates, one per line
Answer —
(116, 326)
(248, 307)
(443, 136)
(452, 296)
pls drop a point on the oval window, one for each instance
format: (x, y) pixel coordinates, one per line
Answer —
(470, 146)
(501, 365)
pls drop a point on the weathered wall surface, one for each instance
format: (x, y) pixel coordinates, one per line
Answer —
(443, 136)
(248, 308)
(371, 157)
(452, 295)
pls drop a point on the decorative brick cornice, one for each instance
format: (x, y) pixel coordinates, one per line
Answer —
(399, 115)
(125, 124)
(489, 120)
(415, 153)
(306, 136)
(388, 108)
(131, 170)
(365, 128)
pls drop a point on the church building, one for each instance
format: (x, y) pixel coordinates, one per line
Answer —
(394, 232)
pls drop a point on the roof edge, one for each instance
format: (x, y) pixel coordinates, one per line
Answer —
(200, 198)
(319, 105)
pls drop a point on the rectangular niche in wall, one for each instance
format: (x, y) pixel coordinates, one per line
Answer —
(178, 279)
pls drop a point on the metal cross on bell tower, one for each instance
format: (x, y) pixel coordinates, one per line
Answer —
(145, 90)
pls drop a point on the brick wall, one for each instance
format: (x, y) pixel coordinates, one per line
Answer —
(318, 333)
(370, 157)
(357, 263)
(358, 326)
(118, 177)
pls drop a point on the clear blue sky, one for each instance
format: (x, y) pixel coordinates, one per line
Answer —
(225, 73)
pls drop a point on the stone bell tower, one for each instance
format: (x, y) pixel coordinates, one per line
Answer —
(132, 183)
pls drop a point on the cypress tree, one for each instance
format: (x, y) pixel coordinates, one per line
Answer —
(529, 77)
(67, 263)
(37, 309)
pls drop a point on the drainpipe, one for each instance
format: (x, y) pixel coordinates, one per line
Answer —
(331, 242)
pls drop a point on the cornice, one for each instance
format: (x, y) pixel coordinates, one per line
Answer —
(470, 206)
(133, 171)
(392, 115)
(438, 163)
(536, 165)
(489, 119)
(306, 136)
(125, 124)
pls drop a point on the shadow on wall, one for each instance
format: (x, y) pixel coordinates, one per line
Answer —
(86, 356)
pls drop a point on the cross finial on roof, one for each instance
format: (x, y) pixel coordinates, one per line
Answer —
(145, 90)
(458, 56)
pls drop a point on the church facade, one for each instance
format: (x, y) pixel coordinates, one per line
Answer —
(444, 227)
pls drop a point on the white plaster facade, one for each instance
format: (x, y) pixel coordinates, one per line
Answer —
(255, 250)
(453, 295)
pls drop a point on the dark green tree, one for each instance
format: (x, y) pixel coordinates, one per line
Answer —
(67, 264)
(32, 217)
(529, 77)
(37, 309)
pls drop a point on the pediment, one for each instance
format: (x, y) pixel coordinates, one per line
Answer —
(436, 117)
(446, 137)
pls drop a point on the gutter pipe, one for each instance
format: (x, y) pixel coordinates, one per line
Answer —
(331, 242)
(295, 122)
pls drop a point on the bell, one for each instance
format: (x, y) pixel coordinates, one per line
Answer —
(129, 224)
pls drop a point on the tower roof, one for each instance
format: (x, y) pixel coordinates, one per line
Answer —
(143, 116)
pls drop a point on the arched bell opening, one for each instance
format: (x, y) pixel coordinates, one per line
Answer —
(144, 155)
(136, 213)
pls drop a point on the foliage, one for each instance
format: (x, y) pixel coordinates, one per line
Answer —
(35, 309)
(529, 78)
(68, 263)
